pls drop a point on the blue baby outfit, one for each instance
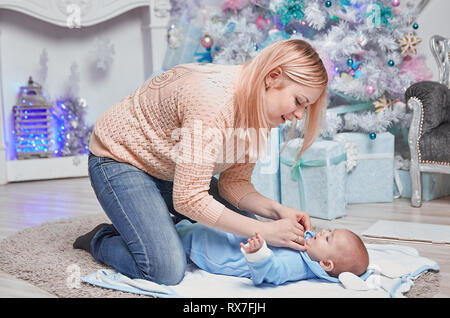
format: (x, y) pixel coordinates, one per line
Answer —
(220, 253)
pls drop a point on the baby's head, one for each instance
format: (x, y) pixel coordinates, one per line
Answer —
(338, 251)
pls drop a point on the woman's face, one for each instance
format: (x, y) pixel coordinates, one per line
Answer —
(287, 99)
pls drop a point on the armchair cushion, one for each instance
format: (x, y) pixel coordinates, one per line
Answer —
(435, 145)
(435, 98)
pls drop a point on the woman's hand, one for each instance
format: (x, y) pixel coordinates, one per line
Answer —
(286, 232)
(301, 217)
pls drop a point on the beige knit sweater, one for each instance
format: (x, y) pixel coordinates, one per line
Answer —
(178, 127)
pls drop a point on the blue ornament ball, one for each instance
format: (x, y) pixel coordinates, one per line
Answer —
(372, 136)
(391, 63)
(349, 62)
(415, 26)
(328, 4)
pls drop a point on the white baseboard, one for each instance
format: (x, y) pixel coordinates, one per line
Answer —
(47, 168)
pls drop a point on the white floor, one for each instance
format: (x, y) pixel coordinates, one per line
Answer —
(29, 204)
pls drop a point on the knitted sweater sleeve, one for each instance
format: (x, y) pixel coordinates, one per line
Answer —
(235, 182)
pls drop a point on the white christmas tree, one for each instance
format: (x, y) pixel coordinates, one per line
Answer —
(69, 113)
(367, 46)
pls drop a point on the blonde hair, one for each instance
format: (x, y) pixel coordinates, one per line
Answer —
(301, 64)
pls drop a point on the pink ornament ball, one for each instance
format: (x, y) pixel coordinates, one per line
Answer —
(370, 89)
(395, 3)
(260, 22)
(207, 41)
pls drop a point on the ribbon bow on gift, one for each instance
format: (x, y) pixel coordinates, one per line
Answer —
(296, 172)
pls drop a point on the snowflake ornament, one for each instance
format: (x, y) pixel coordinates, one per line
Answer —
(381, 103)
(409, 43)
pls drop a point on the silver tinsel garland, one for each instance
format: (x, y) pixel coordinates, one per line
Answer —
(73, 133)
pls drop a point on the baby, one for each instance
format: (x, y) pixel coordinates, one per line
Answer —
(328, 254)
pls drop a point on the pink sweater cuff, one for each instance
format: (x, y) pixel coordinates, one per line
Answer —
(211, 214)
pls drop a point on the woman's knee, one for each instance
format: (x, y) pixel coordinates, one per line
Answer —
(169, 269)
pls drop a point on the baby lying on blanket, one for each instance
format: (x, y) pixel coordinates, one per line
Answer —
(328, 254)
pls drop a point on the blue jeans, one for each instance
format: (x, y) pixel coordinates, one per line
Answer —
(142, 241)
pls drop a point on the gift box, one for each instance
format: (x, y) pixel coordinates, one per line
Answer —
(317, 183)
(434, 185)
(370, 165)
(266, 174)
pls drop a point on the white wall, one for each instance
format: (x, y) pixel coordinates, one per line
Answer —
(23, 38)
(435, 19)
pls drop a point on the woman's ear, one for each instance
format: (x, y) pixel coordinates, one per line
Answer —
(274, 78)
(327, 265)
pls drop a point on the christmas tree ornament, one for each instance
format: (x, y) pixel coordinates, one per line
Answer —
(344, 3)
(372, 136)
(349, 61)
(261, 22)
(377, 14)
(290, 9)
(328, 4)
(391, 63)
(381, 103)
(409, 43)
(235, 5)
(415, 26)
(231, 26)
(32, 123)
(207, 41)
(370, 89)
(346, 78)
(395, 3)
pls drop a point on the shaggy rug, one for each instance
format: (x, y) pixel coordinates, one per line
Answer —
(44, 257)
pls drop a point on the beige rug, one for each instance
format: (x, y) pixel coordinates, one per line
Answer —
(43, 256)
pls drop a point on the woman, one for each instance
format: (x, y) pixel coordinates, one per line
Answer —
(154, 154)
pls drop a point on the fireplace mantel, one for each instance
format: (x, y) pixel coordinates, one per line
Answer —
(82, 13)
(78, 15)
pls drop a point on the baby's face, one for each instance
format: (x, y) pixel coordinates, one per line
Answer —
(326, 244)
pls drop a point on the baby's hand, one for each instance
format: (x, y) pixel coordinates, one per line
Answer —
(254, 244)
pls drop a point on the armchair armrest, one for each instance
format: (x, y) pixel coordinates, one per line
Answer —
(435, 98)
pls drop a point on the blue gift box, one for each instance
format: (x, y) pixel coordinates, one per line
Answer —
(434, 185)
(372, 179)
(318, 181)
(266, 174)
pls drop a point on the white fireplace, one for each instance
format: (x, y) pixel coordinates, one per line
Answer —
(69, 32)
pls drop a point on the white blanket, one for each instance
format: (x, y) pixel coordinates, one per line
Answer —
(393, 270)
